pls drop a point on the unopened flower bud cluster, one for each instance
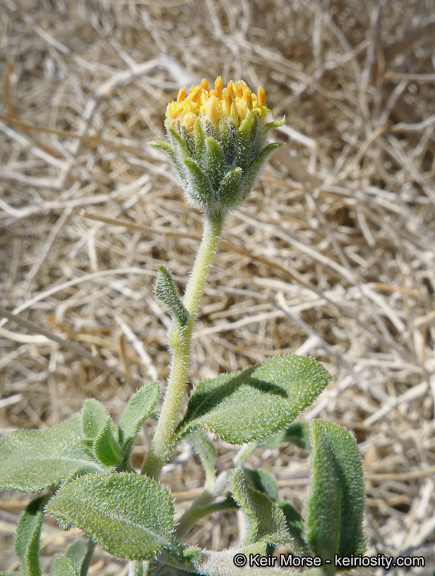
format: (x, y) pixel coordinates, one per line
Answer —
(217, 143)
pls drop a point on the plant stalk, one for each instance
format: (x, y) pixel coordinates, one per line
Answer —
(198, 509)
(179, 340)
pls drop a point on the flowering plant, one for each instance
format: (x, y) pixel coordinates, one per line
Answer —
(82, 467)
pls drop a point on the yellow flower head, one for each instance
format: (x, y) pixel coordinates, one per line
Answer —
(218, 143)
(231, 103)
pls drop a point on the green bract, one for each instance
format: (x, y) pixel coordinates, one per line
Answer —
(217, 143)
(218, 166)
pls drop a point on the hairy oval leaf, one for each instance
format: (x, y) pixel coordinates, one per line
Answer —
(62, 566)
(94, 417)
(106, 445)
(262, 481)
(164, 290)
(206, 450)
(139, 407)
(33, 460)
(265, 522)
(257, 402)
(80, 553)
(128, 515)
(299, 435)
(295, 527)
(27, 537)
(334, 517)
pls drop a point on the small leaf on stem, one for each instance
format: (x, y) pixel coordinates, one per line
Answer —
(263, 482)
(139, 407)
(165, 291)
(265, 522)
(106, 446)
(27, 537)
(62, 566)
(207, 452)
(80, 553)
(295, 527)
(94, 417)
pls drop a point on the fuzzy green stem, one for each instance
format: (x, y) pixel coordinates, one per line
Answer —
(179, 341)
(200, 506)
(139, 568)
(194, 513)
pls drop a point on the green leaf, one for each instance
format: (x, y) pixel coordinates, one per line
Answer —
(175, 154)
(335, 508)
(227, 136)
(229, 192)
(94, 417)
(165, 291)
(255, 403)
(206, 450)
(244, 141)
(214, 162)
(263, 482)
(180, 143)
(246, 126)
(163, 146)
(80, 553)
(27, 537)
(265, 522)
(106, 447)
(267, 150)
(295, 527)
(252, 173)
(271, 125)
(138, 409)
(200, 186)
(129, 515)
(298, 434)
(199, 138)
(228, 503)
(271, 442)
(32, 461)
(62, 566)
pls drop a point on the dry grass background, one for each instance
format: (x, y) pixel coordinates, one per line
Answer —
(332, 256)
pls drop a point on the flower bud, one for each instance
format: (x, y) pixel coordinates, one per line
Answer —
(217, 143)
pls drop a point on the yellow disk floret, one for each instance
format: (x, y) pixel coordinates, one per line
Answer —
(231, 103)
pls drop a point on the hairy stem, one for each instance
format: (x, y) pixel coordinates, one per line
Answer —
(200, 506)
(179, 341)
(194, 513)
